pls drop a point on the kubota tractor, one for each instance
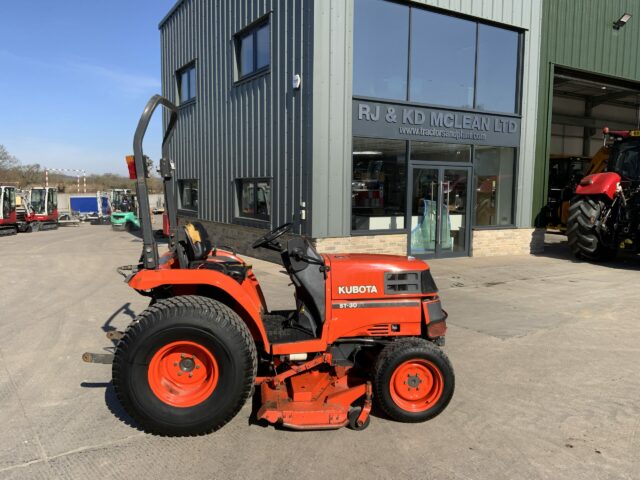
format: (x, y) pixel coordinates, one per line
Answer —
(366, 328)
(8, 218)
(604, 216)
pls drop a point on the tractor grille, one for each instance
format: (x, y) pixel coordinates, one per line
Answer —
(379, 330)
(402, 282)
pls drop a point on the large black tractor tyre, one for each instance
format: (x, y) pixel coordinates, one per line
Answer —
(185, 366)
(413, 380)
(582, 229)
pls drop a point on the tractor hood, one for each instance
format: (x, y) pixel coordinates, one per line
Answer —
(360, 276)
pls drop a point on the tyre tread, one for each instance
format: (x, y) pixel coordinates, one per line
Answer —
(161, 312)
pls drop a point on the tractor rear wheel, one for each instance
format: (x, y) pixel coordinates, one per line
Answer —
(413, 380)
(583, 229)
(185, 366)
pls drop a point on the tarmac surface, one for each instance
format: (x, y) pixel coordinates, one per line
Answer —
(546, 353)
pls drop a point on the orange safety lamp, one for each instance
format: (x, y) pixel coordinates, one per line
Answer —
(131, 164)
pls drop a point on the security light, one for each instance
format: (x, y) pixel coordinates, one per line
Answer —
(622, 21)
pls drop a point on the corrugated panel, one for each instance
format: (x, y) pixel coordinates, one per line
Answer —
(332, 90)
(579, 35)
(332, 75)
(259, 128)
(521, 14)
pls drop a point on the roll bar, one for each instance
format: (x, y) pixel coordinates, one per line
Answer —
(150, 257)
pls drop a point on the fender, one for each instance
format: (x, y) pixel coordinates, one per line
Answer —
(149, 279)
(599, 184)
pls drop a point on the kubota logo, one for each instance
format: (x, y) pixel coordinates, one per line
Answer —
(353, 289)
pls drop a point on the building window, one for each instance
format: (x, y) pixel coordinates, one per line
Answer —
(451, 61)
(186, 78)
(378, 186)
(380, 62)
(254, 198)
(443, 51)
(253, 50)
(188, 190)
(440, 152)
(497, 77)
(494, 183)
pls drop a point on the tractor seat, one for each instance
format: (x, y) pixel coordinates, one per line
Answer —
(197, 245)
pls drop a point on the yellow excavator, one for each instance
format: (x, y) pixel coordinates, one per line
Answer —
(564, 175)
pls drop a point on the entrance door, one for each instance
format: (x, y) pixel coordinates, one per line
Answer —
(439, 210)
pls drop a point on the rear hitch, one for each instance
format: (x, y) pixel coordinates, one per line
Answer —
(106, 358)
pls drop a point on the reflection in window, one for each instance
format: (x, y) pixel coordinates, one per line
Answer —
(627, 162)
(37, 200)
(440, 152)
(186, 83)
(253, 50)
(497, 69)
(444, 53)
(443, 50)
(381, 47)
(254, 198)
(188, 190)
(494, 182)
(378, 187)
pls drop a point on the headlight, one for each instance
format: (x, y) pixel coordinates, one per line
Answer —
(428, 284)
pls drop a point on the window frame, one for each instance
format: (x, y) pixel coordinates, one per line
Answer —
(251, 30)
(519, 62)
(191, 66)
(181, 183)
(253, 219)
(514, 190)
(355, 233)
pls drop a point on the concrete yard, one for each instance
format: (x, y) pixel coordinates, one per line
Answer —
(546, 352)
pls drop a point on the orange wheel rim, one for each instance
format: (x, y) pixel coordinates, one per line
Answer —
(416, 385)
(183, 374)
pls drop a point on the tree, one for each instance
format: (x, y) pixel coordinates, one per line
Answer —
(7, 161)
(31, 175)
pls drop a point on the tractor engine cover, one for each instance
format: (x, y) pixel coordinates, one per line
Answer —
(364, 276)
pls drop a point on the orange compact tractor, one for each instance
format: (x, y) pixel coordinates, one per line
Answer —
(367, 329)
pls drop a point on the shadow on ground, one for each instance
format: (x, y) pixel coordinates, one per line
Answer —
(556, 247)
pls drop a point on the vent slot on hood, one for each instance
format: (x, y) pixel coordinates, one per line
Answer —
(401, 282)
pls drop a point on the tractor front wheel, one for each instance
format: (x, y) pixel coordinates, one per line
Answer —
(413, 380)
(185, 366)
(585, 230)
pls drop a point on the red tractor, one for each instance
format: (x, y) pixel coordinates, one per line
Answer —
(9, 224)
(604, 216)
(366, 328)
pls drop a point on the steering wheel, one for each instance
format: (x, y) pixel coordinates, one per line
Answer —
(267, 239)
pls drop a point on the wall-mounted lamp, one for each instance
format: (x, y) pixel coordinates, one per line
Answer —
(622, 21)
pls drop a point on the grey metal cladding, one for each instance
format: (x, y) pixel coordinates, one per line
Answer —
(259, 127)
(332, 74)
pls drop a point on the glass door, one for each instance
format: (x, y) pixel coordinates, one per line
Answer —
(439, 205)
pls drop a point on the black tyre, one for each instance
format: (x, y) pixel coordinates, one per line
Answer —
(353, 420)
(583, 234)
(413, 380)
(185, 366)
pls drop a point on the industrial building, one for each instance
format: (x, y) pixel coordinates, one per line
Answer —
(419, 128)
(589, 79)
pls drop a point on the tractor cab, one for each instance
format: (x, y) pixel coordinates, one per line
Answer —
(625, 158)
(8, 218)
(44, 208)
(44, 200)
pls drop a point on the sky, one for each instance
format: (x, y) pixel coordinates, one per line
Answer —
(74, 78)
